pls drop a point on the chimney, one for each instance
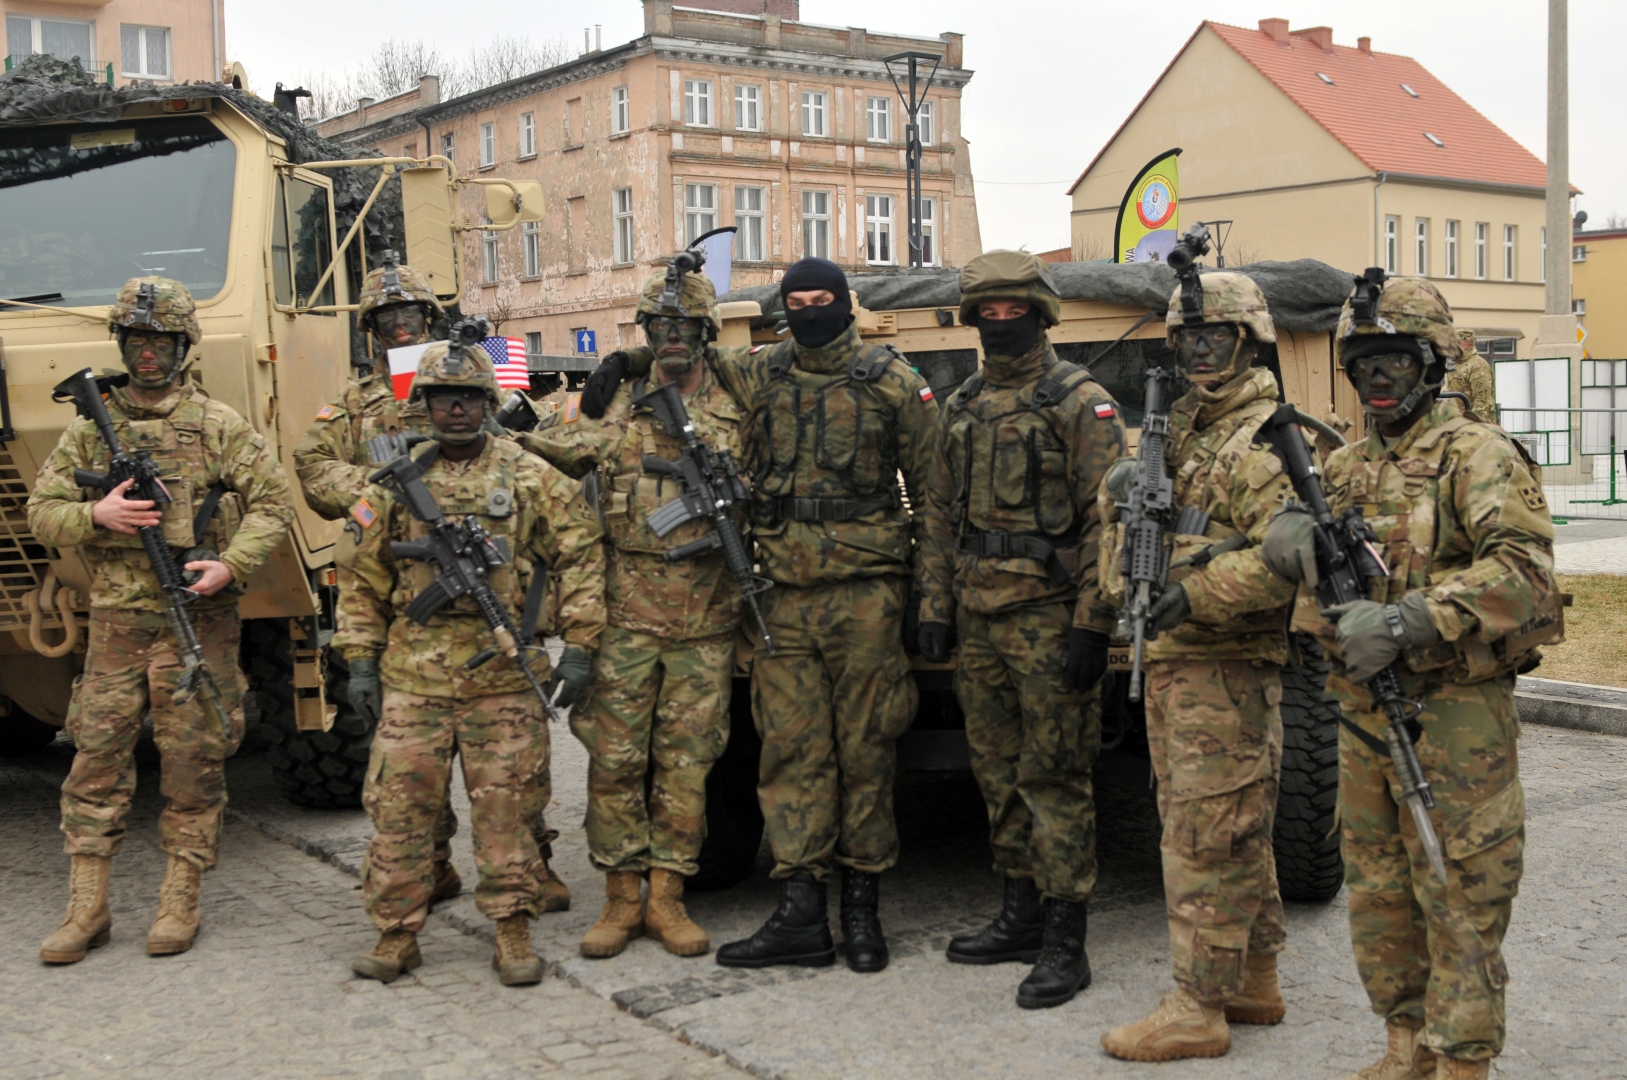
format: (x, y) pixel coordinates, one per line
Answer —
(771, 30)
(1275, 29)
(954, 46)
(1365, 44)
(1320, 36)
(857, 41)
(658, 17)
(361, 110)
(429, 90)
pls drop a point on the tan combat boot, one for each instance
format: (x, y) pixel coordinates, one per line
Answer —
(514, 960)
(177, 924)
(88, 924)
(621, 920)
(396, 952)
(556, 895)
(1453, 1069)
(1260, 1000)
(668, 922)
(1403, 1059)
(1181, 1027)
(447, 884)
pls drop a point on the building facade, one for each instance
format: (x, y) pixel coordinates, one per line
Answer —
(737, 115)
(1599, 292)
(125, 40)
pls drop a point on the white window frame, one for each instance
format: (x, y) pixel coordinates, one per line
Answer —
(142, 33)
(748, 107)
(488, 144)
(1511, 266)
(1452, 229)
(931, 253)
(533, 344)
(449, 146)
(621, 112)
(1482, 256)
(926, 127)
(528, 135)
(1578, 307)
(815, 114)
(531, 249)
(749, 203)
(1392, 244)
(698, 103)
(489, 266)
(36, 37)
(1420, 246)
(816, 224)
(1578, 253)
(621, 216)
(879, 249)
(878, 119)
(700, 210)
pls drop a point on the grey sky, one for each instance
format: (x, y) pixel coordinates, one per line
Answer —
(1054, 78)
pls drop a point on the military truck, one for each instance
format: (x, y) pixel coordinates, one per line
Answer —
(272, 229)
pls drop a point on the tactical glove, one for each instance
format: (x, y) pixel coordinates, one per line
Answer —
(1086, 661)
(365, 692)
(1121, 477)
(600, 389)
(1372, 635)
(571, 676)
(1171, 609)
(1288, 549)
(934, 640)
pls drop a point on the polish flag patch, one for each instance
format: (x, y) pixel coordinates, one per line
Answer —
(926, 393)
(1103, 411)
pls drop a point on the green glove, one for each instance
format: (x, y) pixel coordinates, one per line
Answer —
(571, 676)
(1372, 635)
(1170, 610)
(1121, 477)
(1288, 549)
(365, 692)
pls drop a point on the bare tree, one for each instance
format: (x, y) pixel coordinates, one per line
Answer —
(1091, 249)
(1615, 221)
(506, 57)
(500, 312)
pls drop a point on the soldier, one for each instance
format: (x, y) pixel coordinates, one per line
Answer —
(430, 706)
(1462, 523)
(1473, 376)
(332, 461)
(830, 424)
(1213, 684)
(1011, 562)
(661, 677)
(207, 451)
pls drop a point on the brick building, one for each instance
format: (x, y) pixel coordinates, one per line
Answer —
(127, 40)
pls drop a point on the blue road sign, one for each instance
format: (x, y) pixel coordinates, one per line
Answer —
(586, 342)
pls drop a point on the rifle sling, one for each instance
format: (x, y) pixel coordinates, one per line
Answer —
(1373, 742)
(206, 512)
(533, 604)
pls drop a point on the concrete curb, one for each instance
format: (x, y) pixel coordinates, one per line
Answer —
(1578, 706)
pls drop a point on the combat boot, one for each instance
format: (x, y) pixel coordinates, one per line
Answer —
(396, 952)
(1260, 1000)
(668, 922)
(1453, 1069)
(556, 895)
(1062, 969)
(861, 926)
(1403, 1058)
(622, 918)
(1181, 1027)
(797, 933)
(177, 924)
(447, 884)
(88, 924)
(1017, 933)
(513, 959)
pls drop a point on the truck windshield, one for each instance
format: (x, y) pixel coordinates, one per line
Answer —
(84, 208)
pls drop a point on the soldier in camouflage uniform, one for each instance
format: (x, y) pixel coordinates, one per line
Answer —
(1011, 562)
(661, 677)
(332, 461)
(1461, 520)
(206, 452)
(1213, 687)
(432, 707)
(830, 424)
(1472, 376)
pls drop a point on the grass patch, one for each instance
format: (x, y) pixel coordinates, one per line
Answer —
(1595, 646)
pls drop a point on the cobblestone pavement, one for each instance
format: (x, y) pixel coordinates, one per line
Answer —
(284, 1000)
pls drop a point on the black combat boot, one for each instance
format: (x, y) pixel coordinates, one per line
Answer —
(797, 933)
(1017, 933)
(861, 928)
(1062, 969)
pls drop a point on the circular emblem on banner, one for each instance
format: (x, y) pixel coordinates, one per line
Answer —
(1155, 204)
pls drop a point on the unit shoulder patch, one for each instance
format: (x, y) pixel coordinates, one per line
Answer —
(1532, 494)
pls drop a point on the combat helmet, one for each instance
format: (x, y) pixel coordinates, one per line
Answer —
(393, 283)
(697, 299)
(447, 364)
(1410, 308)
(156, 303)
(1228, 297)
(1009, 275)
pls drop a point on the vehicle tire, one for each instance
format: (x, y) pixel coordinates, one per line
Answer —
(321, 770)
(22, 734)
(1310, 868)
(734, 820)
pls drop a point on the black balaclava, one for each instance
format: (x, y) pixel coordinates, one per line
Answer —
(814, 327)
(1010, 337)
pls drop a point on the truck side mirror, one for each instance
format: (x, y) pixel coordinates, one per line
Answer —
(426, 207)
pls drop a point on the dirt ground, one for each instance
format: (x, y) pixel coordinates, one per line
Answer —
(1595, 646)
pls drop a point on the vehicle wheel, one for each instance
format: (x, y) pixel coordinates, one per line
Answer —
(322, 770)
(22, 734)
(1310, 868)
(734, 820)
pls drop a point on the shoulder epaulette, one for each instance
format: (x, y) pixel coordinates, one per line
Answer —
(870, 361)
(780, 358)
(1059, 382)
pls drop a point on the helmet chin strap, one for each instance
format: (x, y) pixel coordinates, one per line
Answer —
(1230, 371)
(1418, 393)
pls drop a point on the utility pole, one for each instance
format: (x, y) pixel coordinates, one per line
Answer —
(912, 137)
(1557, 267)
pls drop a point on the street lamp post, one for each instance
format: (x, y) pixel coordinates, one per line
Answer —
(912, 136)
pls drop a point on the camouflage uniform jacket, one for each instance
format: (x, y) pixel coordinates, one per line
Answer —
(1458, 514)
(332, 460)
(196, 442)
(1024, 456)
(1472, 376)
(691, 598)
(544, 522)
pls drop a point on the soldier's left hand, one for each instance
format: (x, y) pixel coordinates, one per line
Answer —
(571, 676)
(213, 576)
(1171, 609)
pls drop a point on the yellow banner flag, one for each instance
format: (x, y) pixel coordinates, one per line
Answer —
(1149, 218)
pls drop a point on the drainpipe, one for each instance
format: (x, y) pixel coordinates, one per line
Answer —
(1378, 224)
(214, 21)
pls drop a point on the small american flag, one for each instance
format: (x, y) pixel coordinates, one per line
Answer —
(508, 358)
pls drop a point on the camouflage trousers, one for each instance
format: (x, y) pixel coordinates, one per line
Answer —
(1428, 954)
(658, 711)
(1034, 743)
(503, 743)
(830, 704)
(446, 823)
(1215, 731)
(131, 665)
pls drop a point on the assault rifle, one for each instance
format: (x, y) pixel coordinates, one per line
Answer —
(466, 554)
(711, 486)
(196, 680)
(1347, 558)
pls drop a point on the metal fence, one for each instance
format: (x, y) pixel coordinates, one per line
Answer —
(1583, 454)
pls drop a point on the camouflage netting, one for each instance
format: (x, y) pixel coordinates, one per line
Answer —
(1303, 294)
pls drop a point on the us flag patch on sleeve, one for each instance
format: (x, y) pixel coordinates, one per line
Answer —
(926, 393)
(755, 349)
(325, 412)
(364, 513)
(1104, 410)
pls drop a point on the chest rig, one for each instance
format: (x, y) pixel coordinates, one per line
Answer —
(1210, 460)
(489, 494)
(190, 469)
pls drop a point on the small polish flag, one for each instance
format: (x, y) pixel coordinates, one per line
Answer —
(926, 393)
(403, 366)
(1103, 411)
(508, 358)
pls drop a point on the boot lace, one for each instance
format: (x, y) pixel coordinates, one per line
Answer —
(514, 938)
(175, 894)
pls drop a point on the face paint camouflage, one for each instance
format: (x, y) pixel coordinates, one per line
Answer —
(1208, 352)
(150, 358)
(1386, 383)
(678, 342)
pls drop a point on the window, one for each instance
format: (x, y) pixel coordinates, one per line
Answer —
(144, 52)
(1410, 91)
(1392, 244)
(620, 112)
(1508, 253)
(1482, 257)
(528, 135)
(697, 102)
(488, 145)
(533, 345)
(488, 257)
(449, 147)
(748, 107)
(929, 232)
(813, 113)
(1436, 139)
(700, 210)
(621, 214)
(301, 244)
(816, 223)
(576, 234)
(1325, 78)
(1578, 253)
(878, 119)
(1578, 307)
(878, 229)
(1420, 247)
(64, 38)
(531, 249)
(924, 126)
(748, 216)
(1451, 249)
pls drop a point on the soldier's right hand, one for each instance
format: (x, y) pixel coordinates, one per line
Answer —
(1121, 477)
(934, 642)
(365, 691)
(1289, 549)
(600, 389)
(113, 511)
